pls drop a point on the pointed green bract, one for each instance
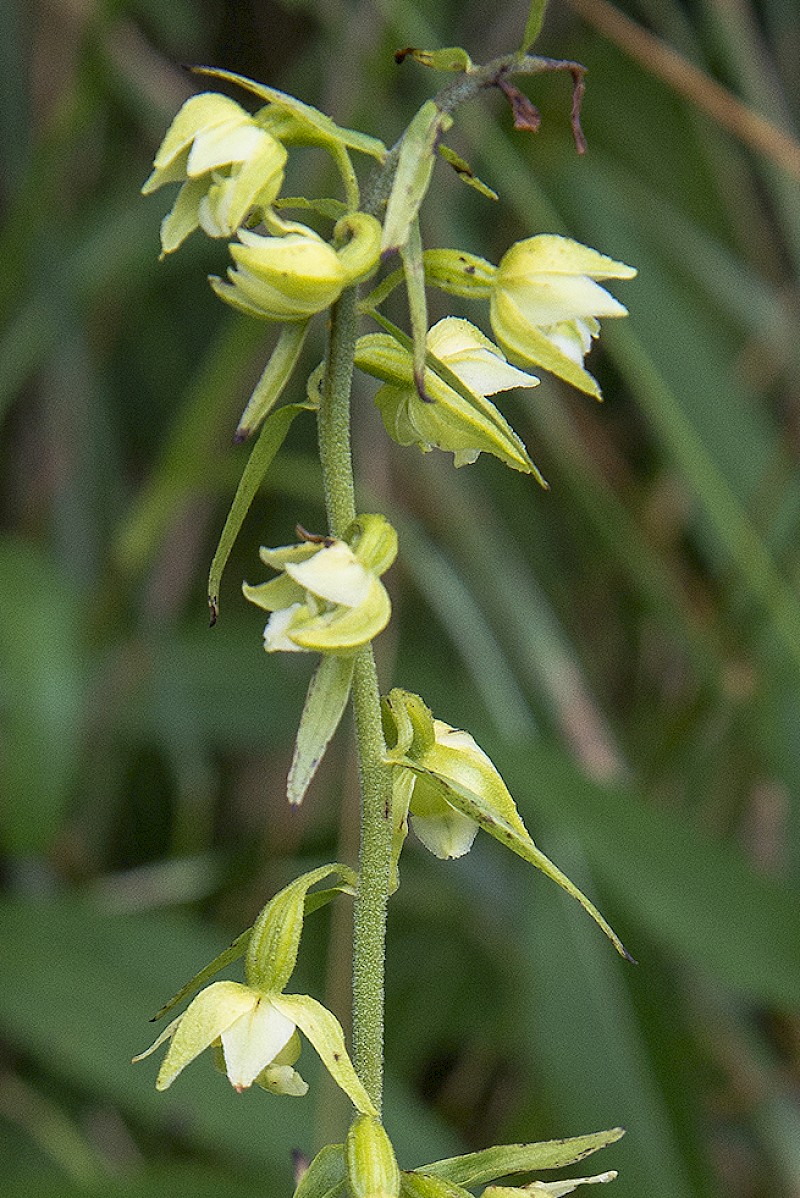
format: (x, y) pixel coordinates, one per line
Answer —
(225, 958)
(466, 173)
(275, 936)
(325, 1033)
(272, 436)
(478, 1168)
(326, 700)
(533, 25)
(274, 378)
(312, 119)
(413, 175)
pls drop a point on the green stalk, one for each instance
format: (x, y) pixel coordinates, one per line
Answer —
(369, 917)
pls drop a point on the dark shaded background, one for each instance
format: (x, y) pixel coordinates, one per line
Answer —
(626, 646)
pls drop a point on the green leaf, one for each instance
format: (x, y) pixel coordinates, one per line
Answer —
(42, 669)
(312, 118)
(465, 172)
(413, 174)
(276, 375)
(326, 700)
(533, 25)
(269, 442)
(326, 1176)
(275, 938)
(478, 1168)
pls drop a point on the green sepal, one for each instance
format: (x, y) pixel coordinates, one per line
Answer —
(372, 1169)
(402, 788)
(448, 58)
(423, 1185)
(478, 1168)
(272, 436)
(527, 346)
(413, 174)
(533, 25)
(226, 957)
(347, 628)
(329, 208)
(274, 378)
(326, 1176)
(465, 172)
(275, 936)
(326, 700)
(325, 1033)
(320, 126)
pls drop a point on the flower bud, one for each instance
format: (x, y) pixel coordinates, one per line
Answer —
(459, 273)
(372, 1169)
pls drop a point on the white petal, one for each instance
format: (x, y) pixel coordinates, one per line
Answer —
(253, 1041)
(548, 299)
(334, 574)
(487, 373)
(275, 638)
(233, 141)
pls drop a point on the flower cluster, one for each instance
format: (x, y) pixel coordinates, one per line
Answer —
(327, 596)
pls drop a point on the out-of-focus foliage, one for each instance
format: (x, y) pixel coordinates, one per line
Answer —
(628, 648)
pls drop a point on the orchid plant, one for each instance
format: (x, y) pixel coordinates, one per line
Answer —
(326, 595)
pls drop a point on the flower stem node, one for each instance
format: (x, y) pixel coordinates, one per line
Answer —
(293, 273)
(328, 597)
(545, 304)
(230, 167)
(372, 1170)
(461, 421)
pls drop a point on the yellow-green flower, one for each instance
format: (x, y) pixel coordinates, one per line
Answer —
(447, 419)
(545, 304)
(229, 166)
(328, 597)
(254, 1034)
(296, 273)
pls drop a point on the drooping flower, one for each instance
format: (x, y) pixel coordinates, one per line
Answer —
(328, 597)
(464, 424)
(297, 273)
(254, 1034)
(228, 164)
(545, 304)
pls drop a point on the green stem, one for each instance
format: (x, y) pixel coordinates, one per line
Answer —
(369, 917)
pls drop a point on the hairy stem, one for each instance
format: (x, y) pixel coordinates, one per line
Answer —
(369, 918)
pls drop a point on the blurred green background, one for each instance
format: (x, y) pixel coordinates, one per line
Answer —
(626, 646)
